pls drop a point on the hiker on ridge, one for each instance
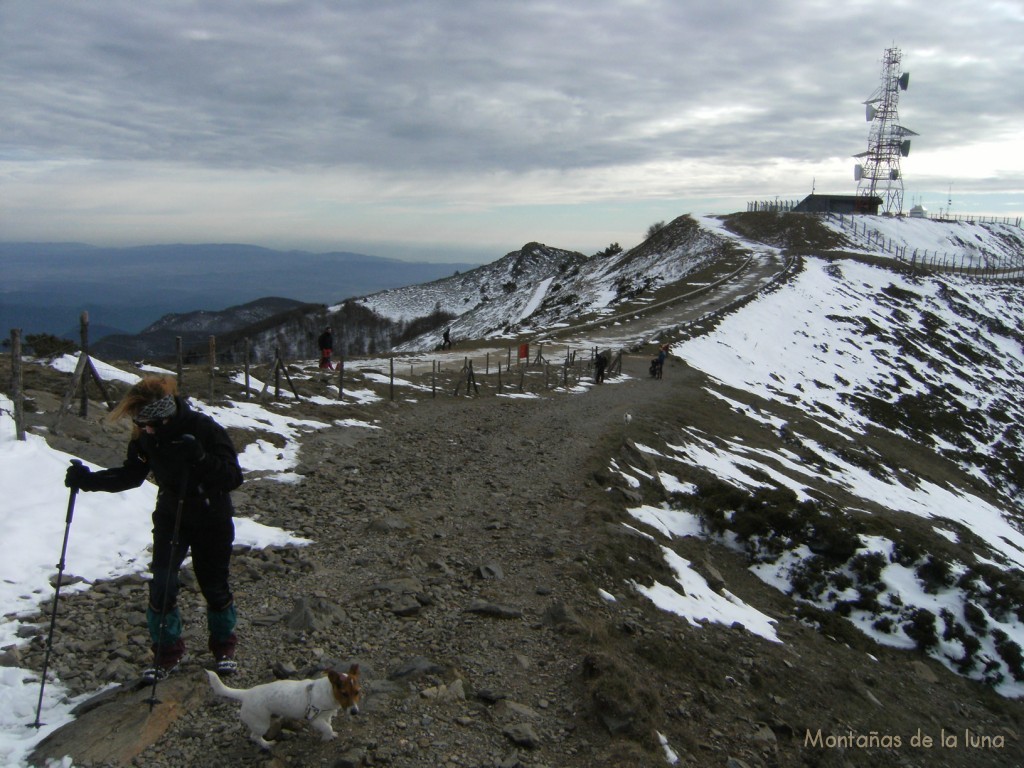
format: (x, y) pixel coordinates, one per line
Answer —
(326, 344)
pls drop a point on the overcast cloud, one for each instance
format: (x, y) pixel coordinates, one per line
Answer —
(435, 128)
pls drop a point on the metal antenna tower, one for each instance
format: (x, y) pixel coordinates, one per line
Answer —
(878, 174)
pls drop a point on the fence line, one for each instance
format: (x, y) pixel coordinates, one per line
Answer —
(539, 373)
(779, 206)
(950, 262)
(787, 206)
(966, 218)
(695, 326)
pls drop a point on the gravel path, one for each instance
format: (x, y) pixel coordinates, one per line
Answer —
(450, 560)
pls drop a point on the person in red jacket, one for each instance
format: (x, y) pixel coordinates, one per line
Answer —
(195, 466)
(326, 344)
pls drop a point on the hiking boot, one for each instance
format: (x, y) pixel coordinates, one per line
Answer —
(166, 659)
(157, 674)
(223, 651)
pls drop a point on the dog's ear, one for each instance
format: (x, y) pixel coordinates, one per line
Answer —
(353, 671)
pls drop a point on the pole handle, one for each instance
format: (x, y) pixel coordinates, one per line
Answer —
(71, 504)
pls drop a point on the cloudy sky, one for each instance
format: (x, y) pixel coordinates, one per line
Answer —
(461, 129)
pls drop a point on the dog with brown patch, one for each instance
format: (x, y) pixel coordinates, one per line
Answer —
(313, 700)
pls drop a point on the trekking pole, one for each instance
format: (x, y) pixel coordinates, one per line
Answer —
(56, 595)
(153, 700)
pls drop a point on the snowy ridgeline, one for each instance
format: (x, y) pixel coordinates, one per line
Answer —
(950, 245)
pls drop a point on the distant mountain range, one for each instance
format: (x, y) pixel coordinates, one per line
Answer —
(46, 286)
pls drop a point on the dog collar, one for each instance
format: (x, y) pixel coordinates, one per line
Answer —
(311, 710)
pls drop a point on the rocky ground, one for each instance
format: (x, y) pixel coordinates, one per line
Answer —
(458, 552)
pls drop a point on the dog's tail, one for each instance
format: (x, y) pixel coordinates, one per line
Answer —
(222, 690)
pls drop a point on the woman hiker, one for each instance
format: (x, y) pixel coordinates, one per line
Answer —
(195, 467)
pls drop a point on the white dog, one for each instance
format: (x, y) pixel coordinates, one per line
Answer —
(312, 700)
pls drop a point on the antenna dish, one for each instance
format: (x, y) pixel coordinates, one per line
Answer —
(869, 113)
(858, 172)
(905, 148)
(904, 81)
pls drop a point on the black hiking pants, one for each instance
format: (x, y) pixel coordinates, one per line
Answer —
(209, 539)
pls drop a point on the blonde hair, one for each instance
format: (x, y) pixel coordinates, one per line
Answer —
(143, 393)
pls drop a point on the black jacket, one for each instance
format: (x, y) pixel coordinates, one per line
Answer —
(326, 341)
(210, 480)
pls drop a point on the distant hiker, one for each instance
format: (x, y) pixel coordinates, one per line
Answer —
(326, 344)
(195, 467)
(600, 363)
(658, 365)
(447, 343)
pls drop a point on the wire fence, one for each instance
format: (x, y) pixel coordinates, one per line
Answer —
(776, 205)
(521, 370)
(1013, 221)
(974, 264)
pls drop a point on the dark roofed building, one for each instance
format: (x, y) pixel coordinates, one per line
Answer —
(839, 204)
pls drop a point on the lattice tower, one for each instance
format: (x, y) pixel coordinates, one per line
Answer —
(878, 174)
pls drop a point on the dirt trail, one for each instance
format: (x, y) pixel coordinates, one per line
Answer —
(456, 539)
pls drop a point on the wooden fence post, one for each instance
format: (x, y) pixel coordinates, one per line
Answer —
(180, 355)
(279, 368)
(213, 363)
(615, 369)
(248, 356)
(341, 376)
(391, 380)
(78, 379)
(277, 374)
(83, 330)
(17, 391)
